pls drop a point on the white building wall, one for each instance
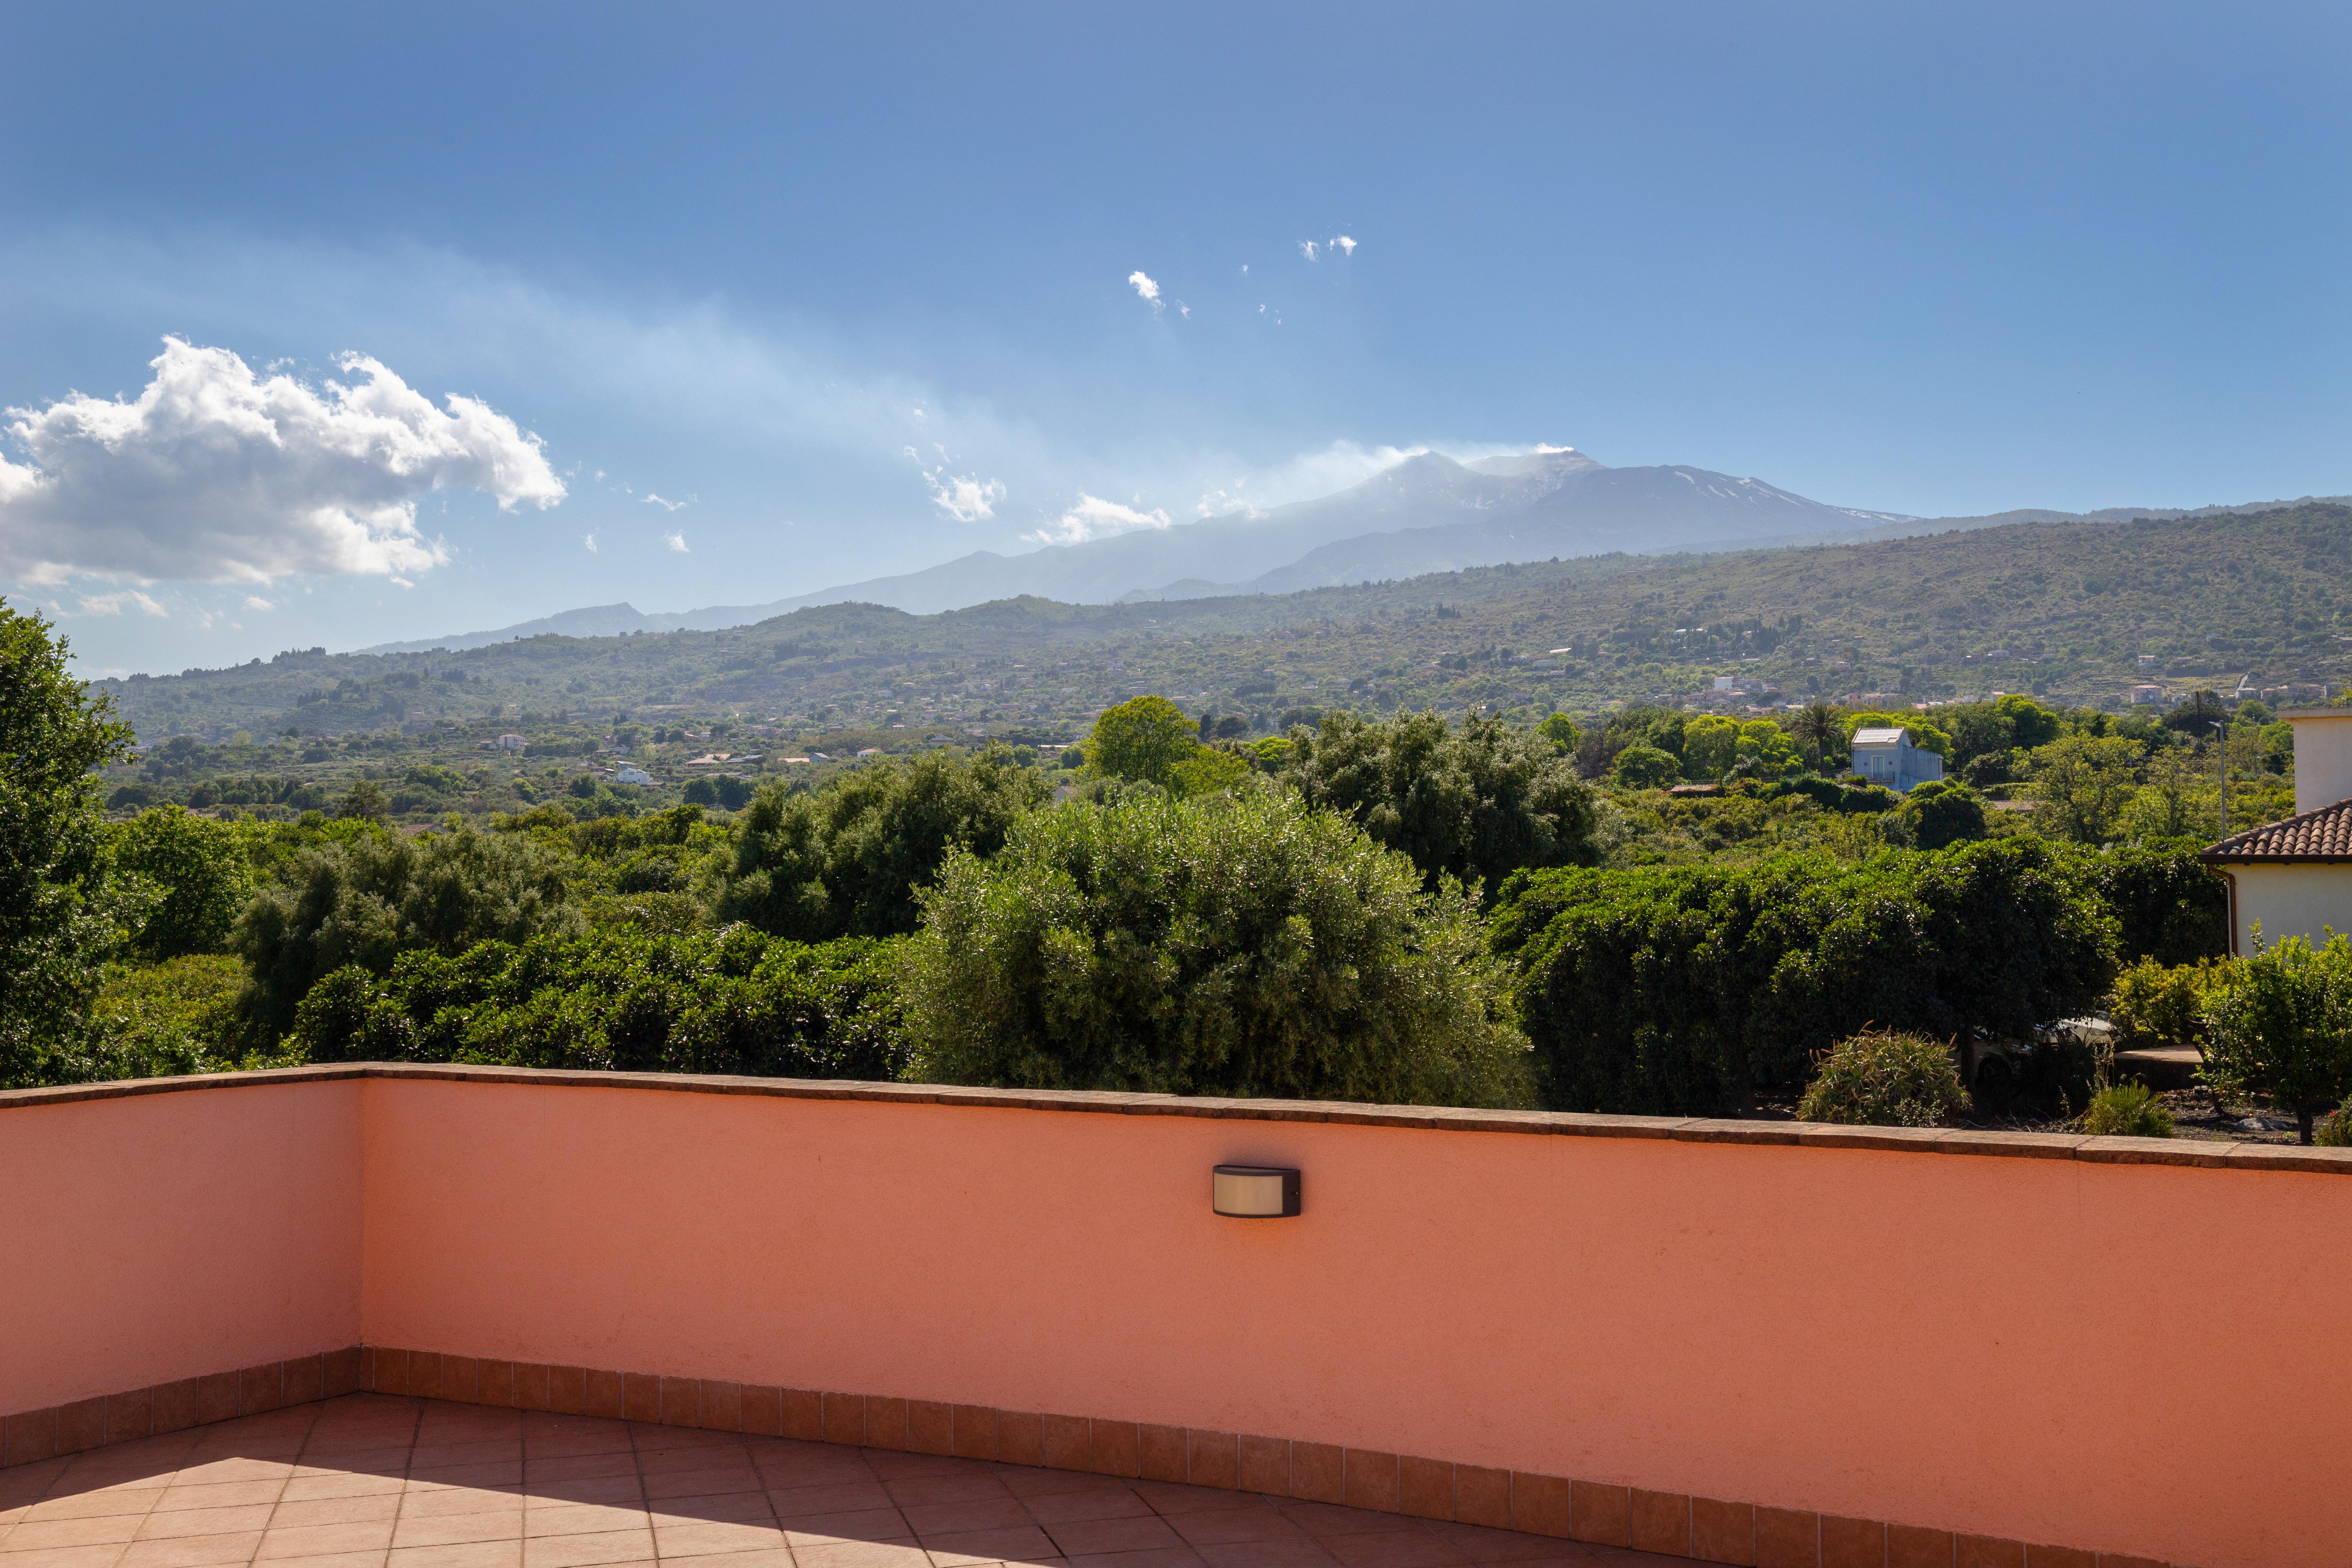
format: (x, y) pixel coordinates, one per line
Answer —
(2323, 757)
(2289, 901)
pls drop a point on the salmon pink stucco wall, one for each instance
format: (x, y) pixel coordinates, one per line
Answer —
(148, 1240)
(2035, 1349)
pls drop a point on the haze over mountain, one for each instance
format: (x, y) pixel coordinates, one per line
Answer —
(1427, 513)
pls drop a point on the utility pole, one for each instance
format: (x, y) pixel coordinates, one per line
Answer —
(2221, 746)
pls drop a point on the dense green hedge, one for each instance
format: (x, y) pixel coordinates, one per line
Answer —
(1686, 990)
(730, 1002)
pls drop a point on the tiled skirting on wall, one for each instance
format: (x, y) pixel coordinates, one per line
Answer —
(1704, 1529)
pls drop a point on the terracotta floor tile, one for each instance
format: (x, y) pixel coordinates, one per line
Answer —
(830, 1529)
(1227, 1525)
(999, 1512)
(95, 1504)
(326, 1539)
(1293, 1551)
(231, 1467)
(581, 1519)
(1024, 1543)
(714, 1536)
(220, 1494)
(468, 1555)
(332, 1559)
(339, 1483)
(963, 1484)
(457, 1530)
(579, 1467)
(1324, 1521)
(862, 1554)
(729, 1508)
(1094, 1537)
(39, 1534)
(703, 1483)
(193, 1550)
(586, 1551)
(617, 1490)
(1394, 1548)
(1171, 1497)
(497, 1473)
(1479, 1545)
(1152, 1557)
(104, 1554)
(760, 1557)
(366, 1508)
(459, 1499)
(373, 1461)
(162, 1526)
(1110, 1501)
(440, 1455)
(835, 1497)
(1028, 1481)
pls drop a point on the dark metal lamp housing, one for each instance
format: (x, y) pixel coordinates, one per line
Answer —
(1254, 1192)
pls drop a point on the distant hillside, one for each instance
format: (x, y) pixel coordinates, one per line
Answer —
(2054, 608)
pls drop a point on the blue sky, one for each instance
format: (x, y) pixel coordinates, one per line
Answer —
(749, 259)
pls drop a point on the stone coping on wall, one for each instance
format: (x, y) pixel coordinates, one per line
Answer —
(2203, 1154)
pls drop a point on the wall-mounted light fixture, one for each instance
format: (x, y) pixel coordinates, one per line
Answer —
(1254, 1192)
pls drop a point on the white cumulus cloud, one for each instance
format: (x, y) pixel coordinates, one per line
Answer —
(1145, 289)
(1095, 518)
(1343, 245)
(676, 541)
(966, 498)
(215, 474)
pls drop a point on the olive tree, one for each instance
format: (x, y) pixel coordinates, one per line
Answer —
(1237, 944)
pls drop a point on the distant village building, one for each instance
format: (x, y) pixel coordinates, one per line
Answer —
(1887, 757)
(629, 775)
(2147, 661)
(2294, 878)
(2147, 694)
(509, 743)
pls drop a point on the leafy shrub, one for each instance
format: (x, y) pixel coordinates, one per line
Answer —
(1236, 944)
(846, 860)
(1685, 990)
(2127, 1111)
(1939, 814)
(163, 1019)
(2335, 1131)
(2281, 1024)
(623, 999)
(1474, 803)
(2169, 905)
(1884, 1080)
(2160, 1006)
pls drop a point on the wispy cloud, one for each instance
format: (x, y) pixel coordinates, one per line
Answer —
(255, 602)
(1343, 245)
(115, 603)
(1145, 289)
(1307, 249)
(1095, 518)
(967, 498)
(653, 500)
(676, 541)
(216, 474)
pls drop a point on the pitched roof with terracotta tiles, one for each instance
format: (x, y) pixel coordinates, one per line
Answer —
(2315, 836)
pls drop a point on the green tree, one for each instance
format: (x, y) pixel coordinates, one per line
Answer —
(2282, 1023)
(1820, 733)
(1940, 813)
(1236, 944)
(2082, 783)
(1710, 744)
(370, 899)
(1645, 767)
(846, 860)
(365, 802)
(58, 917)
(1474, 803)
(1142, 741)
(1561, 731)
(2180, 800)
(202, 874)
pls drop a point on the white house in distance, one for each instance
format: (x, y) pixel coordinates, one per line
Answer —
(1887, 757)
(628, 774)
(2294, 878)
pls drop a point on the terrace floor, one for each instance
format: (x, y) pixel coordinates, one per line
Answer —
(373, 1481)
